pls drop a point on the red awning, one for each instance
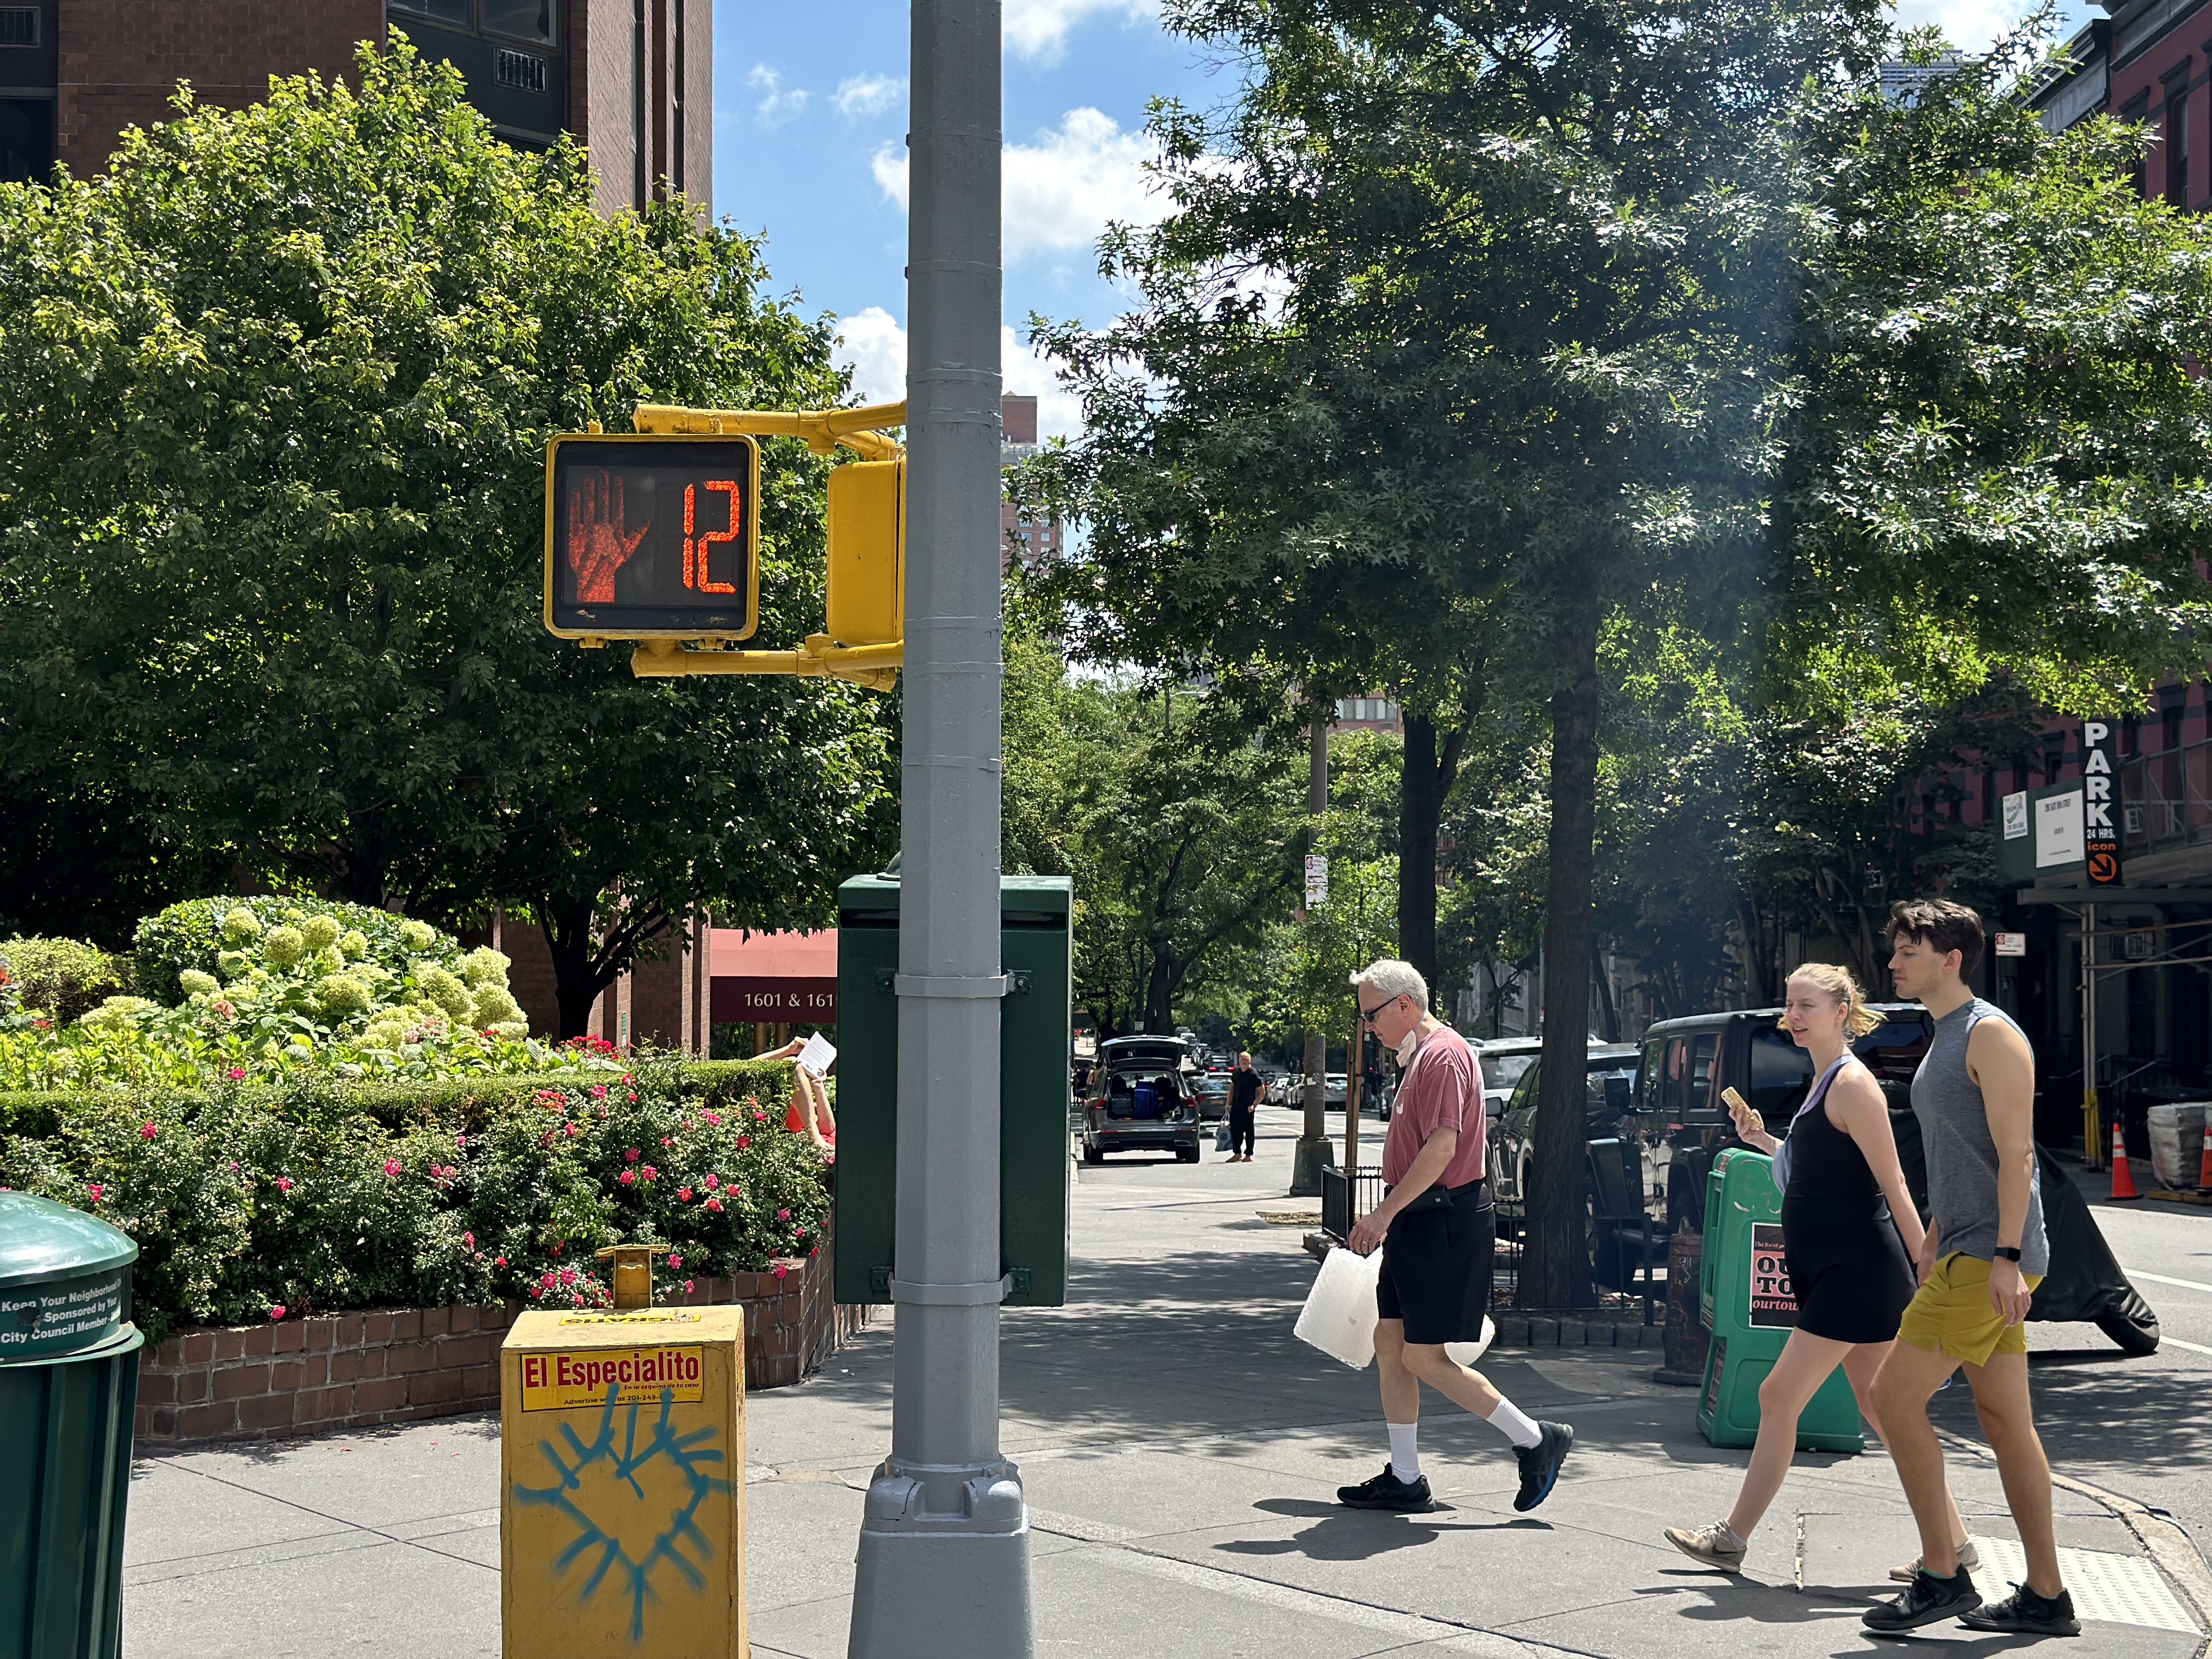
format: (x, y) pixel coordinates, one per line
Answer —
(774, 976)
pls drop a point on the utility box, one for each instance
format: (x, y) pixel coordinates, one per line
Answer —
(1745, 1299)
(1035, 1029)
(621, 1526)
(69, 1386)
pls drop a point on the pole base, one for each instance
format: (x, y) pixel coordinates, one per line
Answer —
(1312, 1157)
(969, 1564)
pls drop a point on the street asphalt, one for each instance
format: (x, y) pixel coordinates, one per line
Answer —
(1180, 1450)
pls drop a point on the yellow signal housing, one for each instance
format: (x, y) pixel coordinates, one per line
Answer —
(867, 553)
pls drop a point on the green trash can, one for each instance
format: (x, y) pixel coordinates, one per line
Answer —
(68, 1382)
(1745, 1301)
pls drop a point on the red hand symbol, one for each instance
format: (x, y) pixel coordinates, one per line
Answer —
(598, 546)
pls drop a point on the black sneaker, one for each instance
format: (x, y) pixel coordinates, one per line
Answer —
(1540, 1464)
(1926, 1600)
(1387, 1491)
(2027, 1614)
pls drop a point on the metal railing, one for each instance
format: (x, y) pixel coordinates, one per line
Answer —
(1345, 1199)
(2167, 798)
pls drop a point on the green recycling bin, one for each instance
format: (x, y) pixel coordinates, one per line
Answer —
(68, 1382)
(1745, 1299)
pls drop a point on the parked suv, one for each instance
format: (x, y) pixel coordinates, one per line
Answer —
(1609, 1111)
(1687, 1062)
(1138, 1100)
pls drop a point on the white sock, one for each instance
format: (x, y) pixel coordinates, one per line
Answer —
(1404, 1452)
(1515, 1425)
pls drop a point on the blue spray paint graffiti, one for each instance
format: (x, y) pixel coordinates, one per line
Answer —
(608, 1469)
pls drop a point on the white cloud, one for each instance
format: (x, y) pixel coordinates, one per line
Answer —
(873, 346)
(1037, 31)
(1973, 24)
(1059, 192)
(867, 95)
(776, 107)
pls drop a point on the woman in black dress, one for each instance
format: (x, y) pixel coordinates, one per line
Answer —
(1844, 1205)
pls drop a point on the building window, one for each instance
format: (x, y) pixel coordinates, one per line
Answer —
(534, 20)
(445, 11)
(26, 139)
(2176, 151)
(19, 26)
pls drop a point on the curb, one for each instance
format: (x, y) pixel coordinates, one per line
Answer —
(2164, 1539)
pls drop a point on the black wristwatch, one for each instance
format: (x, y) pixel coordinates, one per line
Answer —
(2007, 1253)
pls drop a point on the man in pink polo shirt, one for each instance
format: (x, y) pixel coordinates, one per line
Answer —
(1438, 1231)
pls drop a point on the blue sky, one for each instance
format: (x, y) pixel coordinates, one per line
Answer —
(809, 123)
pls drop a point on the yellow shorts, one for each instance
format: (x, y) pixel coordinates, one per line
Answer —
(1951, 1313)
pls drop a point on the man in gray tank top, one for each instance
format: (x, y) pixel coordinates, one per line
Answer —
(1984, 1255)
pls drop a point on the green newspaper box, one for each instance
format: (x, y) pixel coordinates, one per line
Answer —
(1745, 1302)
(1035, 1088)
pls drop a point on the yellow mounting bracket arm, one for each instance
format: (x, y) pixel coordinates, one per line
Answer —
(824, 431)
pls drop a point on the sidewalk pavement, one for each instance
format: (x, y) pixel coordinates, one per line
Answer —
(1180, 1450)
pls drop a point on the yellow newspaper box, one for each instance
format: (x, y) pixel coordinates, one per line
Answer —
(623, 1493)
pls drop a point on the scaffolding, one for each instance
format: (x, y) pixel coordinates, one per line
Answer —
(2082, 903)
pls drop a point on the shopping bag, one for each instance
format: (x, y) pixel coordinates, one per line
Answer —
(1339, 1317)
(1466, 1353)
(1223, 1142)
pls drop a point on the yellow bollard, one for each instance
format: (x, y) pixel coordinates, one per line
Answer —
(621, 1484)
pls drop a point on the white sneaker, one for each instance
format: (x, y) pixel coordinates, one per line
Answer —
(1969, 1557)
(1715, 1546)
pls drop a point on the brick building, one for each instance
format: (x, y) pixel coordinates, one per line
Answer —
(1026, 539)
(632, 80)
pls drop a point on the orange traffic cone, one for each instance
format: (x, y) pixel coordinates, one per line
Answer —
(2204, 1162)
(2124, 1184)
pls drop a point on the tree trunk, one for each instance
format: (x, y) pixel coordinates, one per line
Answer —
(1603, 981)
(1555, 1272)
(1420, 810)
(570, 940)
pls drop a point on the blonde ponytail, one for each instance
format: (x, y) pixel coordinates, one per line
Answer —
(1837, 984)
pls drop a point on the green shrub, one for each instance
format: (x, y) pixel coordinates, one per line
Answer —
(62, 978)
(195, 934)
(321, 1194)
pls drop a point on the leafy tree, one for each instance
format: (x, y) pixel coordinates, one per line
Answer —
(271, 491)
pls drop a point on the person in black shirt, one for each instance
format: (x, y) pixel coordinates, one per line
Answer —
(1243, 1099)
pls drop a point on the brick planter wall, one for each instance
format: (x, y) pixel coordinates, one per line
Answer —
(358, 1369)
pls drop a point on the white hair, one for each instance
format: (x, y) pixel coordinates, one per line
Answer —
(1395, 979)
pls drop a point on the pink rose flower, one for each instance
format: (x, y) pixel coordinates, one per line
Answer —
(501, 1263)
(783, 1215)
(632, 1155)
(97, 1191)
(598, 1091)
(627, 1177)
(278, 1311)
(743, 1141)
(713, 1205)
(391, 1166)
(781, 1270)
(674, 1260)
(682, 1195)
(712, 1181)
(148, 1133)
(469, 1240)
(236, 1074)
(687, 1287)
(651, 1173)
(284, 1183)
(573, 1132)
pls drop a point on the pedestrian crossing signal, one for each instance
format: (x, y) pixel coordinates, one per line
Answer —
(652, 535)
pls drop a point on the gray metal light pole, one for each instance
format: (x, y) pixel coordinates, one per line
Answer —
(943, 1567)
(1310, 1155)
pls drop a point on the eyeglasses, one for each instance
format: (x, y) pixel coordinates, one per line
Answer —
(1367, 1016)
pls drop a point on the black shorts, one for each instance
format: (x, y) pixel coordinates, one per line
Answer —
(1436, 1265)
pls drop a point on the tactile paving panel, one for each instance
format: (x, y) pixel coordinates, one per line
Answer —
(2120, 1589)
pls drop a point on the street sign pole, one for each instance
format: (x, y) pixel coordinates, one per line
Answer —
(943, 1567)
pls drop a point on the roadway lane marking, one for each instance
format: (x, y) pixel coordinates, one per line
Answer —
(2165, 1341)
(2160, 1278)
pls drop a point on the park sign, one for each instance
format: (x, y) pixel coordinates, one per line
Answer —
(652, 535)
(2101, 835)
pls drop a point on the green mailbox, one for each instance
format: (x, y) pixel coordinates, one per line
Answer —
(1035, 1087)
(1745, 1299)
